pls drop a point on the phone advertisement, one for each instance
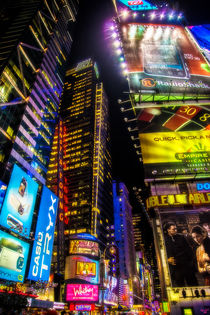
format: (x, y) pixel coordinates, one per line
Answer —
(80, 267)
(167, 154)
(186, 238)
(164, 59)
(18, 206)
(13, 257)
(44, 236)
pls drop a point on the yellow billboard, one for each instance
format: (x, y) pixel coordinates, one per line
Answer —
(169, 153)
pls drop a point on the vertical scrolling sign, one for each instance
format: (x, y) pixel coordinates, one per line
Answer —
(60, 220)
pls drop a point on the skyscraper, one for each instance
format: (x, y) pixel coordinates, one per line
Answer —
(34, 47)
(81, 151)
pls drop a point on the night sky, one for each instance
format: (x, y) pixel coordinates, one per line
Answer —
(92, 40)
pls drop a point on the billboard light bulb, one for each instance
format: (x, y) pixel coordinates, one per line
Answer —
(134, 14)
(153, 15)
(118, 51)
(114, 35)
(125, 14)
(117, 43)
(112, 28)
(162, 16)
(171, 16)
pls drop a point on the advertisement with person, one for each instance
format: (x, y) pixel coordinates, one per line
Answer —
(18, 206)
(78, 246)
(13, 257)
(168, 153)
(187, 246)
(44, 236)
(164, 59)
(81, 267)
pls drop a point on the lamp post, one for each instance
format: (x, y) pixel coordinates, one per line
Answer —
(112, 251)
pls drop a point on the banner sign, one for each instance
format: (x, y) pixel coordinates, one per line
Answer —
(81, 292)
(164, 59)
(166, 153)
(44, 236)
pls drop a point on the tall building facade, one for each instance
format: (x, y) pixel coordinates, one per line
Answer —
(81, 153)
(34, 48)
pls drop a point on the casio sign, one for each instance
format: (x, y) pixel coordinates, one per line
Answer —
(203, 186)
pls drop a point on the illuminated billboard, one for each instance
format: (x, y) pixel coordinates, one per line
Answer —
(174, 153)
(83, 247)
(13, 257)
(138, 5)
(164, 59)
(3, 188)
(44, 236)
(202, 35)
(81, 292)
(186, 238)
(18, 207)
(81, 267)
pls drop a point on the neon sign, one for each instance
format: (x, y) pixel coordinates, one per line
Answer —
(82, 292)
(203, 186)
(138, 5)
(178, 200)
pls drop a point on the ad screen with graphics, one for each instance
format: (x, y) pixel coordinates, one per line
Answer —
(84, 247)
(187, 245)
(164, 58)
(166, 154)
(13, 257)
(81, 267)
(202, 36)
(18, 207)
(82, 292)
(44, 236)
(137, 5)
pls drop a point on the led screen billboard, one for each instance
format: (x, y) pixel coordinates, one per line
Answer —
(186, 237)
(202, 35)
(138, 5)
(13, 257)
(164, 59)
(175, 153)
(81, 267)
(83, 247)
(81, 292)
(44, 236)
(3, 188)
(18, 207)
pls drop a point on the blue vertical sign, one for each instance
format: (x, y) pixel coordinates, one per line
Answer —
(44, 236)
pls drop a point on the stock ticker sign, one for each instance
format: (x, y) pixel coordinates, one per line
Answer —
(44, 236)
(168, 55)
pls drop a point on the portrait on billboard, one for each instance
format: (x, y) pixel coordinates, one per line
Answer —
(18, 206)
(13, 257)
(164, 58)
(187, 246)
(173, 153)
(81, 267)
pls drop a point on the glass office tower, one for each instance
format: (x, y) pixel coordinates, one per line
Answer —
(35, 45)
(80, 163)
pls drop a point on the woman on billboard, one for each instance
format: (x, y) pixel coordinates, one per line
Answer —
(200, 235)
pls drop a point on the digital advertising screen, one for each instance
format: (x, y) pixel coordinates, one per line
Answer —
(202, 35)
(13, 257)
(3, 188)
(81, 267)
(18, 206)
(186, 237)
(137, 5)
(44, 236)
(83, 247)
(164, 59)
(181, 153)
(81, 292)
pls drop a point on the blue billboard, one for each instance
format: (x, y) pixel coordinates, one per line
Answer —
(44, 236)
(138, 5)
(13, 257)
(18, 206)
(3, 188)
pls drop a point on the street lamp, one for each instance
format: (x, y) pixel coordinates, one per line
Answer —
(112, 251)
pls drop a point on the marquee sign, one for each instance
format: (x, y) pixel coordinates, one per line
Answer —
(178, 200)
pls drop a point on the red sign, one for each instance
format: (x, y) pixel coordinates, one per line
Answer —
(135, 2)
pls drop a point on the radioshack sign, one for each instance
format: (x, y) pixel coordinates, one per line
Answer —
(203, 186)
(44, 236)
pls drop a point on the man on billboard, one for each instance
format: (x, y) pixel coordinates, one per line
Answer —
(180, 257)
(200, 235)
